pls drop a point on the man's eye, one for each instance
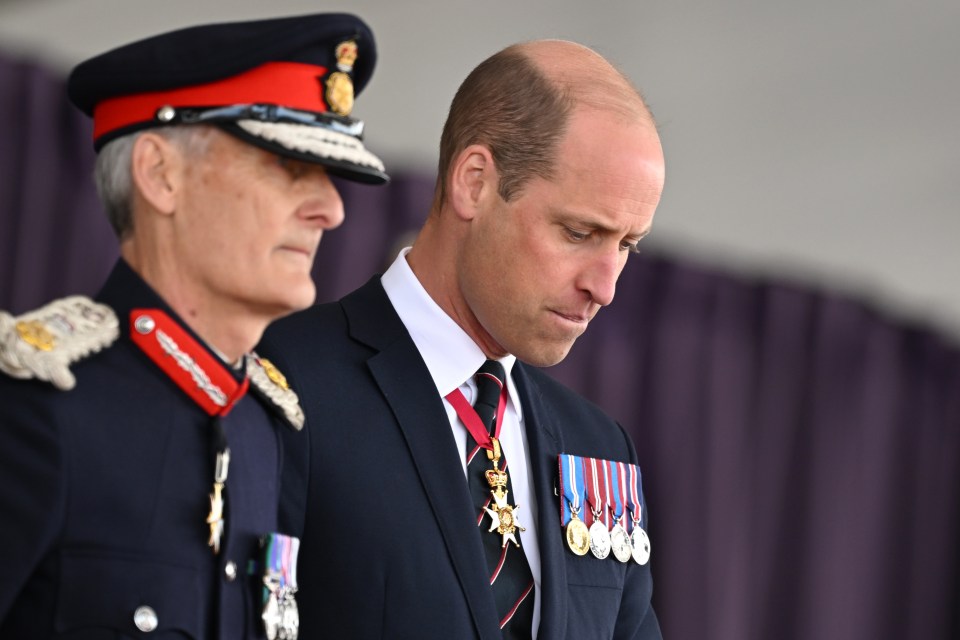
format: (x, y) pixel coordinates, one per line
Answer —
(576, 236)
(293, 168)
(632, 247)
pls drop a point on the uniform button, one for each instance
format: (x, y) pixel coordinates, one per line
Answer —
(230, 570)
(145, 618)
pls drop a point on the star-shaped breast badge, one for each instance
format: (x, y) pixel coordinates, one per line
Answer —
(504, 520)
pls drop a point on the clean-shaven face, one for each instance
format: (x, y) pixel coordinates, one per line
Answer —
(537, 269)
(250, 223)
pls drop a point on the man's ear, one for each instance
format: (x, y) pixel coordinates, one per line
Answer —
(156, 167)
(473, 180)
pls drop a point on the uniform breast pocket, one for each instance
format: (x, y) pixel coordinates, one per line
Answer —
(108, 596)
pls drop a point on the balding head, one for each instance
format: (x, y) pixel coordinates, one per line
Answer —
(586, 77)
(518, 103)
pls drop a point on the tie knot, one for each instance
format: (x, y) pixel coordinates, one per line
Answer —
(490, 379)
(492, 375)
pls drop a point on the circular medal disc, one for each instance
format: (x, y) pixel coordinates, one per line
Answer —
(620, 543)
(578, 537)
(289, 616)
(599, 539)
(641, 545)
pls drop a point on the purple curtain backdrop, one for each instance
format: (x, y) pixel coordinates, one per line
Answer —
(800, 450)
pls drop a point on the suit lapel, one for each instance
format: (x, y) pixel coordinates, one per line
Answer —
(406, 385)
(543, 438)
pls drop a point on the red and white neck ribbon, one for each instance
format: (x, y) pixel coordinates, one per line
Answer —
(468, 416)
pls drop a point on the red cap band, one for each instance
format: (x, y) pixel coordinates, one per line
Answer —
(291, 84)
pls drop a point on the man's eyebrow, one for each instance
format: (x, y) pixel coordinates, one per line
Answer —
(585, 220)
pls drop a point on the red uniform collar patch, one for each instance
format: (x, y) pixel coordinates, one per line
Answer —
(201, 375)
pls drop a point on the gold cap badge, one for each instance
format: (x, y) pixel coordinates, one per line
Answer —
(339, 84)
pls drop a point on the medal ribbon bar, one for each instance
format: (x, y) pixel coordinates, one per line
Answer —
(614, 502)
(281, 559)
(571, 480)
(621, 469)
(607, 491)
(635, 507)
(594, 491)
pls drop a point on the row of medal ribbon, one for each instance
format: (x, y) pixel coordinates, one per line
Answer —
(601, 508)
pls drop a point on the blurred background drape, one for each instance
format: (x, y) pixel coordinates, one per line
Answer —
(800, 449)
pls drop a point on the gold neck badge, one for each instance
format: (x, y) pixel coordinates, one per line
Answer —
(503, 516)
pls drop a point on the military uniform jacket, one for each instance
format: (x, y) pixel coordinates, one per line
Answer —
(390, 543)
(104, 493)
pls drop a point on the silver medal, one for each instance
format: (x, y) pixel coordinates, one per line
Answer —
(281, 618)
(620, 543)
(599, 539)
(641, 545)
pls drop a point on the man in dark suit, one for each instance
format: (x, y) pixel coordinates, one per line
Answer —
(139, 488)
(550, 171)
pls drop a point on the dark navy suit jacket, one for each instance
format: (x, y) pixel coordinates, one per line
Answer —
(104, 495)
(390, 543)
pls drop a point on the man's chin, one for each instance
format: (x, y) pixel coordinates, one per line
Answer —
(292, 302)
(544, 355)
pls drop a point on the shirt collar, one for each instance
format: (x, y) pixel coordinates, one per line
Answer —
(451, 356)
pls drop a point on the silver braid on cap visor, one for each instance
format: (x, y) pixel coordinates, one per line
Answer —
(313, 139)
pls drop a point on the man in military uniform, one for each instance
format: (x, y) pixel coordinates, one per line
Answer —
(459, 523)
(139, 435)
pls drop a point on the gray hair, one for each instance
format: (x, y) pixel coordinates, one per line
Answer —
(114, 178)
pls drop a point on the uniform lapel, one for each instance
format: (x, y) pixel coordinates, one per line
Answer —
(543, 438)
(406, 385)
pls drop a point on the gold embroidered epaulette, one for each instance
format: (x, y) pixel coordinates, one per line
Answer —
(44, 343)
(273, 384)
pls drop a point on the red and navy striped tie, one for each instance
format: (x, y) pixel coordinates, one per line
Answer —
(510, 576)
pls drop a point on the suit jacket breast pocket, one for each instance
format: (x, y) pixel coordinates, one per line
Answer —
(595, 589)
(109, 596)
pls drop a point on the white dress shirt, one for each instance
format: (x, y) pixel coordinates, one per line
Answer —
(453, 358)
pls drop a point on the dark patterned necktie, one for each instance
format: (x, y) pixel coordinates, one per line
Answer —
(510, 576)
